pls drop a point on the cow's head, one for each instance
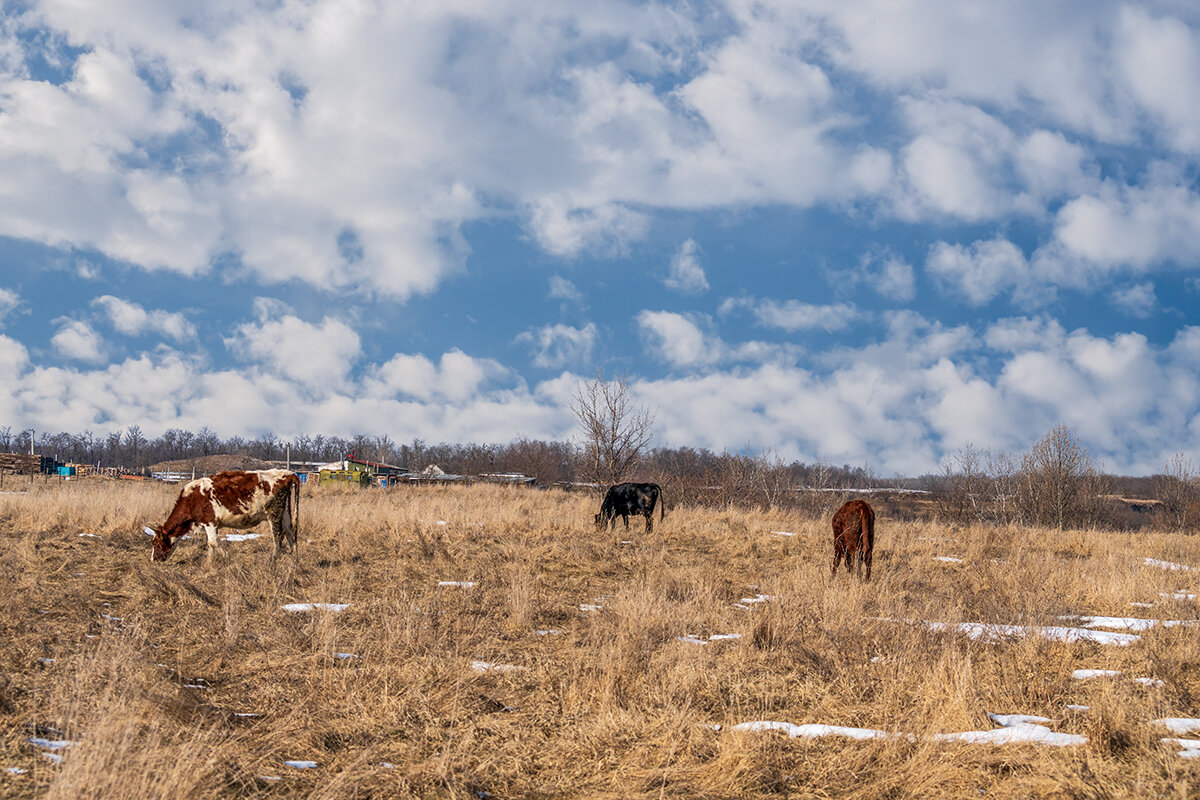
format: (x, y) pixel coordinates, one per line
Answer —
(161, 546)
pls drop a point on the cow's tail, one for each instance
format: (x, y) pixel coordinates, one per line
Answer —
(662, 509)
(294, 502)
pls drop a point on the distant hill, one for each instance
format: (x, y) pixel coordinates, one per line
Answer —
(209, 465)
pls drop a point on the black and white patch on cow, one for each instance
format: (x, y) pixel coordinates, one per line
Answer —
(233, 499)
(625, 499)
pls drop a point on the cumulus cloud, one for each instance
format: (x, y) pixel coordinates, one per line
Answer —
(78, 340)
(318, 356)
(134, 320)
(563, 289)
(9, 300)
(686, 275)
(794, 315)
(981, 271)
(557, 346)
(457, 377)
(690, 341)
(1137, 300)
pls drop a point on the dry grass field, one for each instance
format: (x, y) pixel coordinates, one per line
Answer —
(189, 680)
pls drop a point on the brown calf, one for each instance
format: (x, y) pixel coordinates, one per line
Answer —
(854, 536)
(233, 499)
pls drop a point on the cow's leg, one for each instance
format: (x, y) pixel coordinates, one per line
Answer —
(626, 518)
(277, 534)
(839, 550)
(866, 557)
(649, 522)
(210, 533)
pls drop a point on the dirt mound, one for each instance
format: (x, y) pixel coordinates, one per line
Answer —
(210, 465)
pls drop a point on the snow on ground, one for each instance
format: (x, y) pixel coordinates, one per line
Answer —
(692, 638)
(458, 584)
(948, 559)
(1085, 674)
(995, 632)
(241, 537)
(485, 666)
(1179, 725)
(346, 656)
(299, 607)
(1177, 595)
(783, 533)
(1016, 729)
(301, 764)
(548, 632)
(51, 744)
(746, 602)
(1130, 623)
(1008, 720)
(1023, 733)
(15, 770)
(810, 731)
(1155, 562)
(586, 607)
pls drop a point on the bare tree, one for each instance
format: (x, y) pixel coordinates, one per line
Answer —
(1059, 485)
(1176, 488)
(964, 497)
(616, 428)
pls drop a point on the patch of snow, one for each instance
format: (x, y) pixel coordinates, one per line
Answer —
(1023, 733)
(783, 533)
(1156, 562)
(241, 537)
(53, 758)
(1186, 744)
(1142, 605)
(484, 666)
(301, 764)
(1009, 720)
(948, 559)
(548, 632)
(195, 683)
(441, 522)
(89, 536)
(761, 598)
(1188, 754)
(46, 660)
(51, 744)
(459, 584)
(993, 632)
(246, 714)
(1179, 725)
(590, 607)
(1154, 682)
(1079, 708)
(299, 607)
(811, 731)
(269, 778)
(147, 531)
(387, 765)
(1177, 595)
(111, 618)
(15, 770)
(344, 656)
(1085, 674)
(1132, 623)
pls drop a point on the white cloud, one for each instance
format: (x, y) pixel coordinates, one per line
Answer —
(885, 273)
(559, 345)
(9, 300)
(982, 271)
(563, 289)
(678, 340)
(317, 356)
(1159, 58)
(78, 340)
(134, 320)
(1137, 300)
(686, 275)
(793, 315)
(457, 379)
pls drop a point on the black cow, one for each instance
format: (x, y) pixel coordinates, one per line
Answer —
(630, 498)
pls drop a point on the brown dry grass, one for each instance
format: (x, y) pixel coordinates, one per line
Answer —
(614, 705)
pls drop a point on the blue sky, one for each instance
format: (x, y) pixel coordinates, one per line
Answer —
(867, 232)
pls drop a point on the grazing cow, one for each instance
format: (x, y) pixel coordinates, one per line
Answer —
(234, 499)
(630, 498)
(854, 536)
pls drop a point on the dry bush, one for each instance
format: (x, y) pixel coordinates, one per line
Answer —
(611, 705)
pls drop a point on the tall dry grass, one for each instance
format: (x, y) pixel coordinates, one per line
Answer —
(613, 705)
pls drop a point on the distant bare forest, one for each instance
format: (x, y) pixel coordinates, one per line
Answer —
(548, 461)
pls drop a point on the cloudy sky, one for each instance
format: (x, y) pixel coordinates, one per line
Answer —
(869, 232)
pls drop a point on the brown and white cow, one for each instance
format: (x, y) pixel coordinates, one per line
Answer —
(233, 499)
(854, 536)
